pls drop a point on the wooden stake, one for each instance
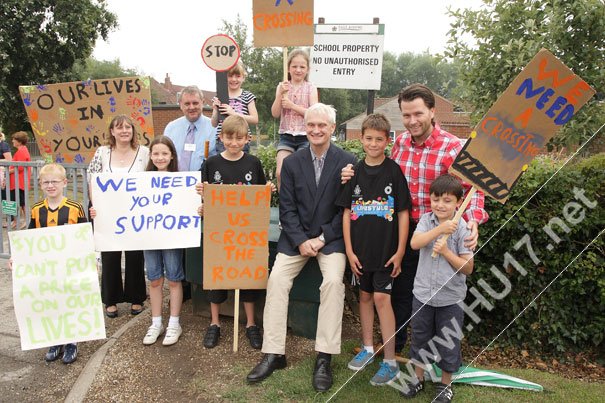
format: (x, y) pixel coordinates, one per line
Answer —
(458, 215)
(236, 321)
(285, 52)
(285, 77)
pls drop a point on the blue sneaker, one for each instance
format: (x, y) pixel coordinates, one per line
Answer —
(53, 353)
(70, 354)
(360, 360)
(385, 375)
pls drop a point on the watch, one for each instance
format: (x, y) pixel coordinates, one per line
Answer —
(321, 237)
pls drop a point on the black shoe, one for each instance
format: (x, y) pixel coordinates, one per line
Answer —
(111, 314)
(412, 389)
(212, 335)
(443, 393)
(53, 353)
(254, 336)
(136, 311)
(322, 375)
(268, 364)
(70, 354)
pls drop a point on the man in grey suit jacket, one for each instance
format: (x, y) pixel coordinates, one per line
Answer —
(311, 227)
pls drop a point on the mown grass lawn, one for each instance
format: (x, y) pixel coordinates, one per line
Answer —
(294, 385)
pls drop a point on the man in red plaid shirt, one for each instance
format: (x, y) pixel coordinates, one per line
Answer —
(424, 153)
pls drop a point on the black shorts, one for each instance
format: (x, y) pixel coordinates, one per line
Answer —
(220, 296)
(376, 281)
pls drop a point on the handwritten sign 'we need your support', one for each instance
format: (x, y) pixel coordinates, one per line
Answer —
(70, 120)
(55, 286)
(236, 236)
(146, 210)
(542, 98)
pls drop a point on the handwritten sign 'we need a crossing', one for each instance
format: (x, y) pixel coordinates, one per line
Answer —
(146, 210)
(55, 286)
(542, 98)
(236, 236)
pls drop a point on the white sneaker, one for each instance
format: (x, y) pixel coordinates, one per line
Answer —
(172, 335)
(152, 334)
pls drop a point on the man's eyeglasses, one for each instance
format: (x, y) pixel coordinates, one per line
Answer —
(48, 183)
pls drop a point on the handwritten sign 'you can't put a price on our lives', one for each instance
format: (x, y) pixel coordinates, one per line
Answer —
(55, 286)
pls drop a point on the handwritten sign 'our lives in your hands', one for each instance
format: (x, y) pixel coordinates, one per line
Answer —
(146, 210)
(236, 236)
(55, 286)
(70, 120)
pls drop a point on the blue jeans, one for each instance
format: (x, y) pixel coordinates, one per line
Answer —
(164, 263)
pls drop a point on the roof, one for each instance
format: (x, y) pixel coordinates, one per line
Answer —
(167, 93)
(444, 114)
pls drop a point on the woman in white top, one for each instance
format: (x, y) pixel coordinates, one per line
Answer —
(123, 153)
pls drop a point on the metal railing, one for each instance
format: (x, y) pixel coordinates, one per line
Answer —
(76, 189)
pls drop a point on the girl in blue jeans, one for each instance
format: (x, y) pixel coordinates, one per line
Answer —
(165, 262)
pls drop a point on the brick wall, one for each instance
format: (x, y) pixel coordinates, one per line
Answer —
(164, 114)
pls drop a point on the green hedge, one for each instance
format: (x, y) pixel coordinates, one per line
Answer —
(570, 314)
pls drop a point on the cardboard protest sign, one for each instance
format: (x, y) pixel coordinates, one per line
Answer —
(55, 286)
(236, 236)
(146, 210)
(70, 120)
(282, 22)
(347, 56)
(542, 98)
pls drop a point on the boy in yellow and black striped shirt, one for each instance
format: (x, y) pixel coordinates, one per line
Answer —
(56, 209)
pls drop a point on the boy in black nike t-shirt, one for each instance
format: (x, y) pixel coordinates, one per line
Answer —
(375, 228)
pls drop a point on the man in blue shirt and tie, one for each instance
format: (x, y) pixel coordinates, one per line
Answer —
(190, 132)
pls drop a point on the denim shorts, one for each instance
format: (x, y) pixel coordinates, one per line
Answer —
(430, 323)
(292, 143)
(164, 263)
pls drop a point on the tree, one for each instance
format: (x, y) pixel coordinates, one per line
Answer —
(399, 71)
(99, 69)
(40, 41)
(508, 34)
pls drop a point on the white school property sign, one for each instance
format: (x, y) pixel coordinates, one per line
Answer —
(146, 210)
(347, 56)
(55, 286)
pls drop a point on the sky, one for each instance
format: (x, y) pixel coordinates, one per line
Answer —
(157, 37)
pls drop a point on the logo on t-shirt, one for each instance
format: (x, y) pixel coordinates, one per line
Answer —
(380, 207)
(248, 177)
(217, 177)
